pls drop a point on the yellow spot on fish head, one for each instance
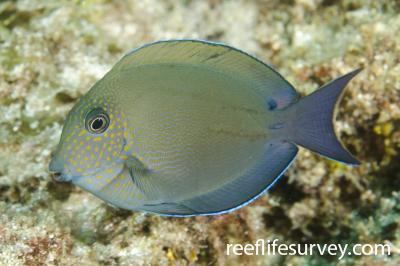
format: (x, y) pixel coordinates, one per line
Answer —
(89, 150)
(83, 132)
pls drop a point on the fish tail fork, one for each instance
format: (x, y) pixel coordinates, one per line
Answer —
(310, 121)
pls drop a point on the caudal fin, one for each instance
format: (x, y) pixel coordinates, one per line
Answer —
(311, 121)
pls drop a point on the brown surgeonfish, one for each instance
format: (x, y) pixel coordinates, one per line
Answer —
(189, 127)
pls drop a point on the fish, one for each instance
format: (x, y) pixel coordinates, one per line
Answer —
(192, 127)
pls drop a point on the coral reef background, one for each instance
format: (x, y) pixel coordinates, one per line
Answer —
(51, 52)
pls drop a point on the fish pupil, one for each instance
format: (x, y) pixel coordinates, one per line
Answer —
(97, 123)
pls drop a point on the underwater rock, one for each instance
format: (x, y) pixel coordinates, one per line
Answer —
(51, 52)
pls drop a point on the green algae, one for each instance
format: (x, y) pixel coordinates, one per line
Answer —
(51, 52)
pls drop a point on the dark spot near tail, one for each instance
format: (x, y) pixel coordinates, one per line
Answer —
(271, 103)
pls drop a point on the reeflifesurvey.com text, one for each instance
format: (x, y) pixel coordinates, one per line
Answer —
(274, 247)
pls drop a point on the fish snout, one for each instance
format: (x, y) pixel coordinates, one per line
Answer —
(56, 169)
(55, 175)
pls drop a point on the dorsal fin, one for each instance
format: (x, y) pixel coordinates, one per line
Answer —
(268, 83)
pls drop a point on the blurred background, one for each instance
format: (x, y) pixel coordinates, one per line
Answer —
(52, 52)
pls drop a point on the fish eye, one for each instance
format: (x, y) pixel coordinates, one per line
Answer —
(97, 121)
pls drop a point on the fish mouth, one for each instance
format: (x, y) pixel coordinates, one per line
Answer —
(67, 177)
(61, 177)
(56, 170)
(58, 173)
(64, 175)
(55, 175)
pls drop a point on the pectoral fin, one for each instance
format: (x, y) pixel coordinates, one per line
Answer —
(145, 179)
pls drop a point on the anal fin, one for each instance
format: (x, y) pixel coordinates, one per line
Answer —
(277, 157)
